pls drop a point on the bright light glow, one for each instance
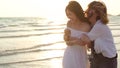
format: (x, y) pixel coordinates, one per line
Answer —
(46, 8)
(31, 8)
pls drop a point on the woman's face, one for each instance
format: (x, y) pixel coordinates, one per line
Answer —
(70, 15)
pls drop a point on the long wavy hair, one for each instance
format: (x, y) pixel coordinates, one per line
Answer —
(100, 9)
(76, 8)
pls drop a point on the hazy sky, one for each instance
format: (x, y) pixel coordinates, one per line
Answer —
(46, 8)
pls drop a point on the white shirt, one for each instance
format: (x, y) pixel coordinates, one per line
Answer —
(103, 38)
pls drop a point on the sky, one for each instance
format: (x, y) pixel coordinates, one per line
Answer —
(47, 8)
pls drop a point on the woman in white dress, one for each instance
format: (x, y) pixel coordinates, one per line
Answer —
(75, 55)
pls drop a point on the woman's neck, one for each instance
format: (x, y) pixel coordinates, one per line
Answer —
(76, 21)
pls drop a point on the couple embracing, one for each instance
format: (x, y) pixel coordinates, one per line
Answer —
(88, 30)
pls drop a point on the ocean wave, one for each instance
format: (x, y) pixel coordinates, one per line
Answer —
(35, 48)
(28, 61)
(29, 35)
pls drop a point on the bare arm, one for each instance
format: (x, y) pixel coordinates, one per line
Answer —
(67, 34)
(71, 40)
(85, 38)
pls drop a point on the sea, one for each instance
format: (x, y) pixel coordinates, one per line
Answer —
(36, 42)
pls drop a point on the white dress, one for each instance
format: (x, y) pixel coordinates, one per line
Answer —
(75, 56)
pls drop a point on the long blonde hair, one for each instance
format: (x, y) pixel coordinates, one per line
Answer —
(100, 9)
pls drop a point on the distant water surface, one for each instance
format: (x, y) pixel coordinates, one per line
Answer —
(31, 42)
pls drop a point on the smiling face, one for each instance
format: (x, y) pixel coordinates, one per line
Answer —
(74, 11)
(71, 15)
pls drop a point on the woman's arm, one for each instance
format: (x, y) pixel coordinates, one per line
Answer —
(76, 41)
(85, 38)
(67, 34)
(88, 42)
(71, 40)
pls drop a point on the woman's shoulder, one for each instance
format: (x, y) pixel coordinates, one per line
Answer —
(87, 26)
(69, 23)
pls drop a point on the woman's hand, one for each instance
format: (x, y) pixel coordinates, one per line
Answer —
(72, 40)
(85, 38)
(67, 34)
(76, 41)
(88, 42)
